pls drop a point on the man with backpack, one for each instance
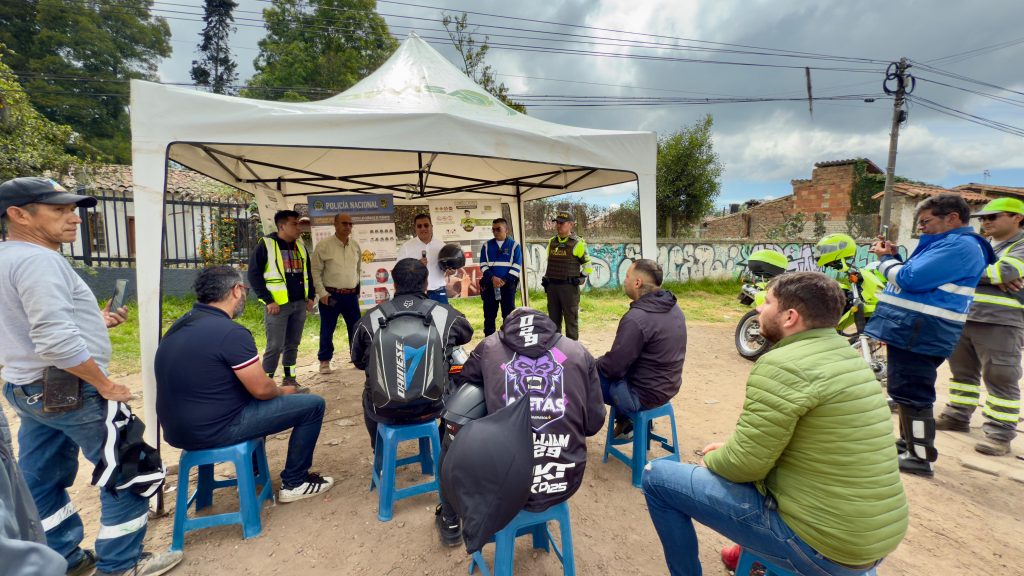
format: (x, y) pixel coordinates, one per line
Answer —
(406, 387)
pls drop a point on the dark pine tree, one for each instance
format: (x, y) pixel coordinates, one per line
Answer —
(215, 67)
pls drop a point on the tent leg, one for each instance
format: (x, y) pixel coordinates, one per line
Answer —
(524, 283)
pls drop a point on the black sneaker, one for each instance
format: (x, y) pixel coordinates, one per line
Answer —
(314, 485)
(448, 529)
(623, 430)
(85, 565)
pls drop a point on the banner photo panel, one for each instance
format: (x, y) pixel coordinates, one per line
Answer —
(373, 227)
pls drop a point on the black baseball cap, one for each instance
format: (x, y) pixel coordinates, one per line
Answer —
(564, 217)
(32, 190)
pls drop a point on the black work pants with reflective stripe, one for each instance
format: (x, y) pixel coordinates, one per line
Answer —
(989, 353)
(564, 304)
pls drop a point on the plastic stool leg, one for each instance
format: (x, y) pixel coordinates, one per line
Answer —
(540, 537)
(568, 559)
(641, 442)
(478, 560)
(675, 437)
(248, 503)
(426, 458)
(181, 507)
(504, 552)
(204, 487)
(386, 499)
(610, 436)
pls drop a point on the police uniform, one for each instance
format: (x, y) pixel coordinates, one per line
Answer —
(990, 348)
(568, 267)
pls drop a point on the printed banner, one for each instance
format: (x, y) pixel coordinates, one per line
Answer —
(373, 227)
(468, 224)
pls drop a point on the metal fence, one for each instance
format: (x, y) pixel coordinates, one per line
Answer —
(196, 232)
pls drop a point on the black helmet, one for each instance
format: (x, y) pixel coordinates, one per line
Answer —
(465, 405)
(451, 257)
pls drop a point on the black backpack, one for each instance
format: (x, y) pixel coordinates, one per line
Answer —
(408, 361)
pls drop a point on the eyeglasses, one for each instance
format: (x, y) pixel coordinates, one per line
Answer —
(924, 221)
(423, 225)
(991, 217)
(497, 229)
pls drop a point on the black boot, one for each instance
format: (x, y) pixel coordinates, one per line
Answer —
(917, 427)
(449, 528)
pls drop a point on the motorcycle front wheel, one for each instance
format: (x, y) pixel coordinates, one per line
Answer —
(749, 342)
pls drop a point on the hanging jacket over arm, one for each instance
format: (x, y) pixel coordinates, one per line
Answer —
(127, 462)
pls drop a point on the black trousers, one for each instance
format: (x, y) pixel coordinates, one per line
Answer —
(911, 377)
(508, 301)
(564, 304)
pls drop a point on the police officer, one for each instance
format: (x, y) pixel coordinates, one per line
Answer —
(501, 262)
(990, 348)
(568, 267)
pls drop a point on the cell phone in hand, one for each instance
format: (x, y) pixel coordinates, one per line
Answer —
(120, 292)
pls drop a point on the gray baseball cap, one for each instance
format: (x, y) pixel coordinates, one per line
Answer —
(32, 190)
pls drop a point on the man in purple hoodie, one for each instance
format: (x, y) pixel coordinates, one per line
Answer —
(528, 357)
(644, 368)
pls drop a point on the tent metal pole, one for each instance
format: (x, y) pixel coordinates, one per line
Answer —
(524, 284)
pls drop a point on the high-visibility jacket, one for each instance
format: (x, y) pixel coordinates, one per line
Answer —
(273, 273)
(567, 258)
(992, 305)
(925, 303)
(501, 260)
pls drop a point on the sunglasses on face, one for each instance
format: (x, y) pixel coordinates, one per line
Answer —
(990, 217)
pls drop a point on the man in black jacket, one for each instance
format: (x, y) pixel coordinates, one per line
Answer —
(528, 357)
(410, 277)
(644, 368)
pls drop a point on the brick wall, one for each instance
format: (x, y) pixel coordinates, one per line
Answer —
(827, 191)
(752, 223)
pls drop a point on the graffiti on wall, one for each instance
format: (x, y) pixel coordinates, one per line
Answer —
(684, 261)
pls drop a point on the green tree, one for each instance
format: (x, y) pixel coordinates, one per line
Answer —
(29, 143)
(688, 177)
(474, 55)
(316, 48)
(74, 57)
(215, 67)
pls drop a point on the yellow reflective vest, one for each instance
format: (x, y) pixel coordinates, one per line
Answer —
(273, 274)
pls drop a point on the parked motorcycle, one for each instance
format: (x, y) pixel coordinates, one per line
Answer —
(834, 251)
(762, 266)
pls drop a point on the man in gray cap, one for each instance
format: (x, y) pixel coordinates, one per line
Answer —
(568, 268)
(52, 331)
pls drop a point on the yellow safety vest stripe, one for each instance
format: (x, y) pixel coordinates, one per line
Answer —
(273, 274)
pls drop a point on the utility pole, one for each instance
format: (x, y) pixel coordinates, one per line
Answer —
(897, 72)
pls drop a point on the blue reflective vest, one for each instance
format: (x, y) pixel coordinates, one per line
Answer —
(926, 301)
(502, 261)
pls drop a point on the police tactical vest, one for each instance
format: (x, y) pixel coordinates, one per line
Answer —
(562, 264)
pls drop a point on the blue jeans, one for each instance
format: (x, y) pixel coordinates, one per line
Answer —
(440, 295)
(344, 305)
(677, 494)
(48, 456)
(303, 413)
(619, 395)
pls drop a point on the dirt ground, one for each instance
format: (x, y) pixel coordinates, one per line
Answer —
(963, 521)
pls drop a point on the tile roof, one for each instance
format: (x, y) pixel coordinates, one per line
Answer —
(182, 183)
(761, 203)
(872, 167)
(922, 191)
(991, 189)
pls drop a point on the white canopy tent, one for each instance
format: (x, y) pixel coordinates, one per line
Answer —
(417, 128)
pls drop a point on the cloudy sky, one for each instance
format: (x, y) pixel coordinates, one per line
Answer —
(762, 145)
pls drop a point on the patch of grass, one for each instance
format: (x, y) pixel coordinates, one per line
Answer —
(701, 300)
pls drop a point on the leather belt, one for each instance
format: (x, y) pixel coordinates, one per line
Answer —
(341, 290)
(556, 281)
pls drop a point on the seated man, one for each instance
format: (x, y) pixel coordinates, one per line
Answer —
(528, 356)
(809, 480)
(421, 384)
(644, 367)
(212, 390)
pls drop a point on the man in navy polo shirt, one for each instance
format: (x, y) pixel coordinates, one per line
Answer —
(212, 390)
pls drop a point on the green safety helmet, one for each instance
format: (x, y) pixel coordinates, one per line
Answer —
(835, 248)
(767, 263)
(1011, 205)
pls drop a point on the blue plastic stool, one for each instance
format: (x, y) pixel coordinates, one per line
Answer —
(641, 439)
(748, 559)
(385, 462)
(242, 455)
(535, 524)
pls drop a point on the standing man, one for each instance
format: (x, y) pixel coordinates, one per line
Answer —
(808, 479)
(52, 326)
(644, 368)
(337, 265)
(279, 272)
(424, 247)
(921, 314)
(993, 337)
(568, 268)
(501, 262)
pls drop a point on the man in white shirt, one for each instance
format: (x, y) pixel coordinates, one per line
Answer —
(425, 248)
(337, 264)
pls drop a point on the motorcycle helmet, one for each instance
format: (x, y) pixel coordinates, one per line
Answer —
(767, 263)
(451, 257)
(834, 249)
(465, 405)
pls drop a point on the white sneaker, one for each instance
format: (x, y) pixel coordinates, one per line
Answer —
(314, 485)
(150, 564)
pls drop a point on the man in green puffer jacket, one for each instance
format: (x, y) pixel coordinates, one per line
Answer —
(809, 480)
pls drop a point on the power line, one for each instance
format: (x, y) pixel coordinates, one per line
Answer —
(968, 54)
(963, 78)
(1003, 99)
(987, 122)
